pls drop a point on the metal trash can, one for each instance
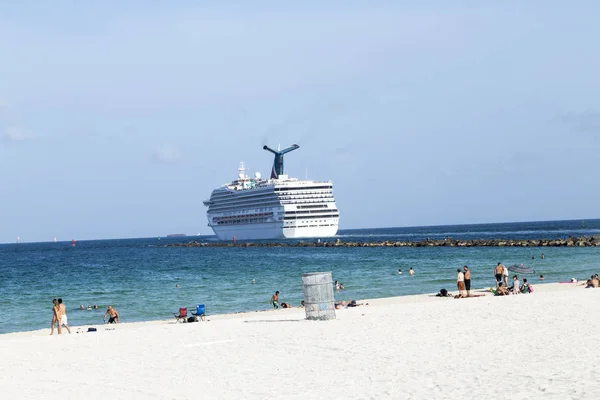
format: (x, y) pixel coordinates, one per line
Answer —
(318, 296)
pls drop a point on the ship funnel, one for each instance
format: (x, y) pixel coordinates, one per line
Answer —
(278, 162)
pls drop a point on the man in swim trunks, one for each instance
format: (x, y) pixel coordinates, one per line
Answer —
(275, 300)
(113, 314)
(498, 273)
(468, 280)
(63, 315)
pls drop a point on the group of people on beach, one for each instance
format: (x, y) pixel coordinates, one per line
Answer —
(502, 288)
(59, 315)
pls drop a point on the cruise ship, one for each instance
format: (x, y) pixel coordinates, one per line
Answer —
(276, 208)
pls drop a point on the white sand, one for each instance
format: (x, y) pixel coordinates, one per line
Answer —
(528, 346)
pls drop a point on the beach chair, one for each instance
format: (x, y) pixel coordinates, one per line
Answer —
(200, 313)
(181, 316)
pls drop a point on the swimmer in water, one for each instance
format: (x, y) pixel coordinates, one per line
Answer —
(399, 271)
(253, 280)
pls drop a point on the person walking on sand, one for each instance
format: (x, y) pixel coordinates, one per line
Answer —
(63, 315)
(275, 299)
(498, 273)
(55, 317)
(113, 315)
(460, 283)
(467, 280)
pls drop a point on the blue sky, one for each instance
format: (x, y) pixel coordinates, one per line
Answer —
(118, 118)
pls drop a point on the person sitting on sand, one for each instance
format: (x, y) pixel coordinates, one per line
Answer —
(501, 291)
(302, 303)
(443, 293)
(285, 305)
(595, 280)
(526, 288)
(588, 284)
(113, 315)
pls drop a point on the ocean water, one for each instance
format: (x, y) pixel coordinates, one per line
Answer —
(139, 276)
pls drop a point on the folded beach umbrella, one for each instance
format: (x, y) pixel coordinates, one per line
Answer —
(521, 269)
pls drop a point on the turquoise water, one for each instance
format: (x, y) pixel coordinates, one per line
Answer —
(138, 276)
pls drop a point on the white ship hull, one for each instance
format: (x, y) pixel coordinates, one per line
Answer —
(272, 230)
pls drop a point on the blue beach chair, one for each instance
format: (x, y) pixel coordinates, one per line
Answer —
(199, 312)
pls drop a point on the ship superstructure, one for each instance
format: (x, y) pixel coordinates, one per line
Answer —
(274, 208)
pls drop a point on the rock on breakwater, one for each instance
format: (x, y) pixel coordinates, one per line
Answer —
(582, 241)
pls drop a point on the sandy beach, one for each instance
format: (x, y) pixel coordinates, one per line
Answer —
(527, 346)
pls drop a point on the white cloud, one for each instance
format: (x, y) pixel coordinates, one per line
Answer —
(15, 134)
(166, 154)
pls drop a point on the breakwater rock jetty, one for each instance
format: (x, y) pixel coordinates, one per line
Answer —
(583, 241)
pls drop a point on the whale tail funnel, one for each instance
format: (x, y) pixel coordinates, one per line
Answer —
(278, 161)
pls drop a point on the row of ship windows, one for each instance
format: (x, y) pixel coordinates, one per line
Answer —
(311, 211)
(243, 221)
(302, 188)
(307, 226)
(227, 196)
(271, 199)
(229, 207)
(306, 217)
(331, 200)
(264, 220)
(313, 206)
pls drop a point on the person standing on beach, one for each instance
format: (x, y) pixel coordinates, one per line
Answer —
(467, 280)
(460, 283)
(498, 273)
(113, 315)
(275, 299)
(63, 315)
(55, 317)
(505, 275)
